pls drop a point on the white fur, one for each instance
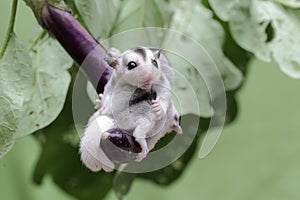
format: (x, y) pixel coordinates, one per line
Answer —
(91, 153)
(147, 122)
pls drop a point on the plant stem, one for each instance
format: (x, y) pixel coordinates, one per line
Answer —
(10, 29)
(37, 39)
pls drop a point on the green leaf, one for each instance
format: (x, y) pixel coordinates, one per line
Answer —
(230, 9)
(267, 32)
(36, 90)
(239, 56)
(8, 127)
(49, 87)
(16, 75)
(195, 21)
(122, 183)
(61, 161)
(290, 3)
(144, 13)
(15, 85)
(189, 86)
(99, 16)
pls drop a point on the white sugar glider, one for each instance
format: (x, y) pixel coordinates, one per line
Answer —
(137, 72)
(146, 69)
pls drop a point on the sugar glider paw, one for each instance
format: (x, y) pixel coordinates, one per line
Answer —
(157, 109)
(99, 102)
(141, 155)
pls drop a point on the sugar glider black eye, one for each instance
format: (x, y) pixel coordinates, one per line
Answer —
(154, 62)
(131, 65)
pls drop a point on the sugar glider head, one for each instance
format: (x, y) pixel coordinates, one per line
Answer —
(138, 66)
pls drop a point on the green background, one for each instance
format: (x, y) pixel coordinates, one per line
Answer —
(257, 156)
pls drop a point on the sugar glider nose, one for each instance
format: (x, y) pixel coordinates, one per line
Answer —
(147, 77)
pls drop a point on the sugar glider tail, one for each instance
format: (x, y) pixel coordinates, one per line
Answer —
(90, 150)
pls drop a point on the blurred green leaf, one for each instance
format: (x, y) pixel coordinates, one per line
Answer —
(75, 12)
(16, 79)
(196, 21)
(228, 10)
(99, 16)
(60, 158)
(16, 75)
(144, 13)
(122, 183)
(267, 32)
(189, 85)
(36, 91)
(235, 53)
(8, 127)
(49, 89)
(290, 3)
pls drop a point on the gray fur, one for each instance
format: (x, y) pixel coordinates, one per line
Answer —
(146, 124)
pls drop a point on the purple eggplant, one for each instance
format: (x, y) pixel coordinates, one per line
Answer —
(85, 50)
(79, 44)
(120, 146)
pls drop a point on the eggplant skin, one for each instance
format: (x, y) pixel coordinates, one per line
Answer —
(120, 146)
(85, 50)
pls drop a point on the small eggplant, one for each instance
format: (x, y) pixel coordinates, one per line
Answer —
(80, 45)
(120, 146)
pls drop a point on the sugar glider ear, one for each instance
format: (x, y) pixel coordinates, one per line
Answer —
(111, 57)
(111, 61)
(158, 52)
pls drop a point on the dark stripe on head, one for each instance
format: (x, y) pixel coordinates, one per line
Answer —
(141, 51)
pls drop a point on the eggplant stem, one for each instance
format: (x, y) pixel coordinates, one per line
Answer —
(37, 39)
